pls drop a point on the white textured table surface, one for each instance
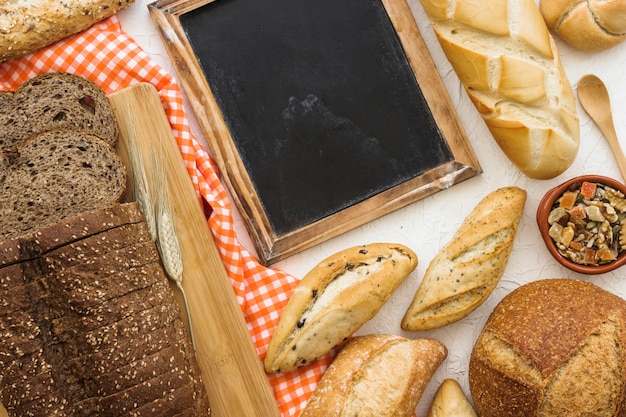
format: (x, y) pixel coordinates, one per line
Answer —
(427, 225)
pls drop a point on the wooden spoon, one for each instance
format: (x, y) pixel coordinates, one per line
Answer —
(595, 100)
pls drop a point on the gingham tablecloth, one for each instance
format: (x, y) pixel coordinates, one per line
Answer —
(110, 58)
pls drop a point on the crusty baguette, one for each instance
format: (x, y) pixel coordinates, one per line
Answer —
(450, 401)
(552, 348)
(27, 25)
(465, 272)
(591, 25)
(376, 376)
(334, 300)
(508, 62)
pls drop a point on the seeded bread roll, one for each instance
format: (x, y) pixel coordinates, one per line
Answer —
(54, 101)
(552, 348)
(56, 175)
(27, 25)
(334, 300)
(590, 25)
(507, 60)
(450, 401)
(376, 375)
(465, 272)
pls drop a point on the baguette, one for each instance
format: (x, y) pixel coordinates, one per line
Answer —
(552, 348)
(334, 300)
(376, 375)
(27, 25)
(465, 272)
(508, 62)
(592, 25)
(450, 401)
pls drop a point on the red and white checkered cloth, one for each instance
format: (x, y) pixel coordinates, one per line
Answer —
(110, 58)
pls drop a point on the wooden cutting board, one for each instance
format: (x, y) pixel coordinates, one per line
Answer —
(231, 369)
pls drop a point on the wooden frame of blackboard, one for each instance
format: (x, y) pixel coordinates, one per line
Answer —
(270, 245)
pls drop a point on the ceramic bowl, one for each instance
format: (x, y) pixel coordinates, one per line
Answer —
(544, 209)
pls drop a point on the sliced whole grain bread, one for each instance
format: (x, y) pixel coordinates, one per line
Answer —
(55, 175)
(52, 101)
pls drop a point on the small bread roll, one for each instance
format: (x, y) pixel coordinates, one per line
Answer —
(552, 348)
(591, 25)
(334, 300)
(465, 272)
(377, 376)
(450, 401)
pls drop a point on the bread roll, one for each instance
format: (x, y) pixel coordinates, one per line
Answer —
(508, 62)
(377, 376)
(334, 300)
(465, 272)
(552, 348)
(27, 25)
(591, 25)
(450, 401)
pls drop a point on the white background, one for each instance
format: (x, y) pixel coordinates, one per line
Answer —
(428, 225)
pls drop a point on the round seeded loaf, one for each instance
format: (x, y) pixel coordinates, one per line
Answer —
(552, 348)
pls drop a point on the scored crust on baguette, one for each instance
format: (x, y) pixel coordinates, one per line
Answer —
(591, 25)
(465, 271)
(55, 175)
(509, 64)
(376, 375)
(53, 101)
(450, 401)
(28, 25)
(552, 348)
(334, 300)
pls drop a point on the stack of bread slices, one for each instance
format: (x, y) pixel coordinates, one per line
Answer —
(89, 325)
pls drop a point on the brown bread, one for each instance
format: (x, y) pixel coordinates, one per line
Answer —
(552, 348)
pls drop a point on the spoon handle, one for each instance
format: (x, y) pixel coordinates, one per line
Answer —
(608, 129)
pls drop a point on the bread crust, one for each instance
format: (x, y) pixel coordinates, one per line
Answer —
(590, 25)
(551, 348)
(27, 25)
(334, 300)
(376, 375)
(450, 401)
(465, 271)
(508, 62)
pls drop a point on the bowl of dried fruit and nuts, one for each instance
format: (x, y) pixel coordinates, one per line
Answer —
(582, 223)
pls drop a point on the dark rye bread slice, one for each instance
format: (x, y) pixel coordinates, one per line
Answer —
(53, 101)
(101, 343)
(56, 175)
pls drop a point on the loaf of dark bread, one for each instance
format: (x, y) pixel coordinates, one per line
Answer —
(552, 348)
(90, 325)
(53, 101)
(55, 175)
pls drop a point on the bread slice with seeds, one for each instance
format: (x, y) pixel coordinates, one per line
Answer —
(55, 175)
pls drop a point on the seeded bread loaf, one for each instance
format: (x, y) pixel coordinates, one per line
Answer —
(53, 101)
(91, 326)
(55, 175)
(27, 25)
(376, 375)
(507, 60)
(466, 271)
(552, 348)
(334, 300)
(590, 25)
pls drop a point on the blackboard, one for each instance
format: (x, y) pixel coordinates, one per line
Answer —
(320, 112)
